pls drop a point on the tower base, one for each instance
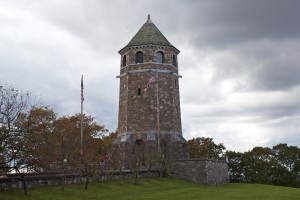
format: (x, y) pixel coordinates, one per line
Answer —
(168, 155)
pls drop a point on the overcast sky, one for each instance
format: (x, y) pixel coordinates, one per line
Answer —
(240, 61)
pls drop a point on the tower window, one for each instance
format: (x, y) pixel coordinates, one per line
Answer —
(164, 148)
(160, 57)
(124, 61)
(139, 91)
(174, 61)
(175, 83)
(139, 57)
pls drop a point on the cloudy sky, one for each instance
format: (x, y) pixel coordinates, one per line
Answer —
(240, 61)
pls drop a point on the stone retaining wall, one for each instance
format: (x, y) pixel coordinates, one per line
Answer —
(204, 171)
(13, 181)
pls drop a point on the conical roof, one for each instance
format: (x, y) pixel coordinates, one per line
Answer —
(148, 35)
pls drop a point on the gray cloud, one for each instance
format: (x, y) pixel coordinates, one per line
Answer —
(223, 24)
(262, 65)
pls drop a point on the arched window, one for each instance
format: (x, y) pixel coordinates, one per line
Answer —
(160, 57)
(139, 57)
(174, 61)
(124, 61)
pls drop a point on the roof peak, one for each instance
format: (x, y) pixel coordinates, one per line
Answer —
(148, 34)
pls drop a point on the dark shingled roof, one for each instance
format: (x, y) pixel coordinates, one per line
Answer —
(148, 35)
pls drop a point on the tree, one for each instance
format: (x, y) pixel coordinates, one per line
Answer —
(39, 139)
(258, 165)
(202, 147)
(152, 157)
(136, 157)
(67, 134)
(235, 165)
(12, 104)
(288, 159)
(162, 163)
(287, 156)
(95, 150)
(118, 160)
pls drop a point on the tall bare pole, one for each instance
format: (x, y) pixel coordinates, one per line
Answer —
(81, 116)
(155, 78)
(157, 111)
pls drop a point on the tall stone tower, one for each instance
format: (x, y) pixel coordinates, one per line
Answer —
(149, 112)
(149, 103)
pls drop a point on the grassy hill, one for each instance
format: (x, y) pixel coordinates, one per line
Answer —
(154, 189)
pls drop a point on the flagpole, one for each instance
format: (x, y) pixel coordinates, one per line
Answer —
(157, 113)
(154, 78)
(81, 117)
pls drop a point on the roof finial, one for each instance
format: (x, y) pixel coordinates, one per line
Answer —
(149, 20)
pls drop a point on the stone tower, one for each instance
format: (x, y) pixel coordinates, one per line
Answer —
(149, 103)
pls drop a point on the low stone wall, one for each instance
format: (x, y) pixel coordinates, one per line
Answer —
(13, 181)
(204, 171)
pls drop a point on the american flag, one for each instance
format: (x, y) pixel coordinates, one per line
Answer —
(82, 96)
(150, 81)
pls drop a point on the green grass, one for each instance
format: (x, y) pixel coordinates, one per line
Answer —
(154, 189)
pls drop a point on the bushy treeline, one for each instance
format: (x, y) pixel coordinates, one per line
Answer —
(34, 139)
(279, 165)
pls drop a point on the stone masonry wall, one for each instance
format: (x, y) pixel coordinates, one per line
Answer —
(208, 172)
(138, 109)
(13, 181)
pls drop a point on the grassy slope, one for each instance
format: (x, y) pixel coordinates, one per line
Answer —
(154, 189)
